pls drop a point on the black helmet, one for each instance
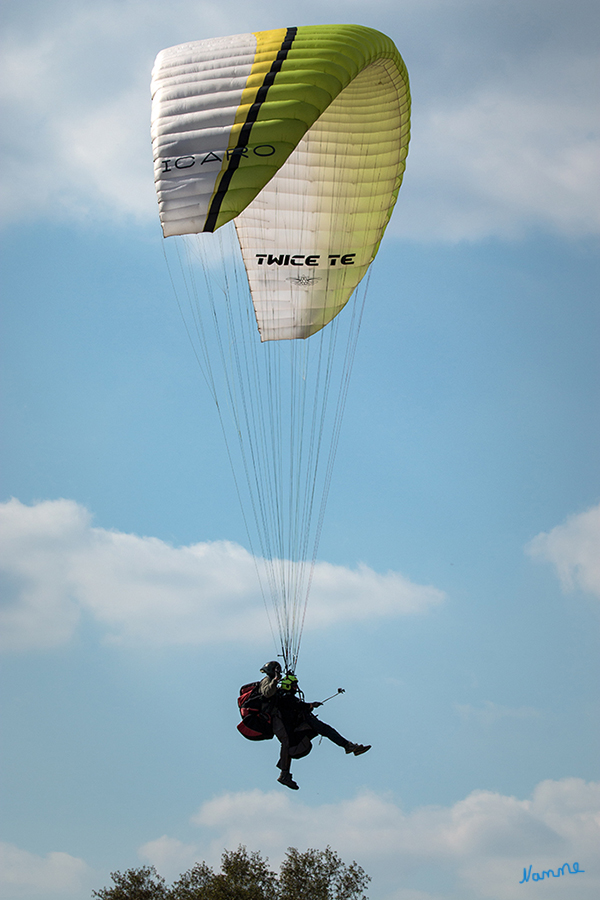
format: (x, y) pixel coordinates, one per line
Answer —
(271, 668)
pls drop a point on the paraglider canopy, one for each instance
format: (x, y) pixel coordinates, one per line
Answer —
(300, 135)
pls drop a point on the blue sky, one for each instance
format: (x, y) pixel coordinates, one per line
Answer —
(456, 594)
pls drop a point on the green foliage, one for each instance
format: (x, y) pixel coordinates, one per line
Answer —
(244, 876)
(135, 884)
(312, 875)
(320, 875)
(193, 884)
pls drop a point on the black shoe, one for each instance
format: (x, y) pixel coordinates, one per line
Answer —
(286, 778)
(358, 749)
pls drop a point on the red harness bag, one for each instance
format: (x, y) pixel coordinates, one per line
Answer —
(256, 723)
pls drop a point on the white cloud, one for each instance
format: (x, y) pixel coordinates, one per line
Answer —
(499, 161)
(169, 855)
(475, 849)
(489, 713)
(573, 548)
(503, 139)
(24, 874)
(78, 140)
(55, 566)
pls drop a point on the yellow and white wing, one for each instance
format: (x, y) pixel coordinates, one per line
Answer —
(301, 136)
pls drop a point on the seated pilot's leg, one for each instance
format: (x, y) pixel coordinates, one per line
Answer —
(282, 736)
(280, 732)
(333, 735)
(328, 732)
